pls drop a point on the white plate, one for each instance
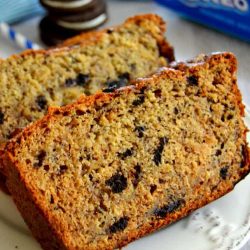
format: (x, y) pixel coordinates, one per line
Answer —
(223, 225)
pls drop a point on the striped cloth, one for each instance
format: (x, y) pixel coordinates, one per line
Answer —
(12, 11)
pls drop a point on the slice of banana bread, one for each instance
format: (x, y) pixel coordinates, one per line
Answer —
(32, 81)
(113, 167)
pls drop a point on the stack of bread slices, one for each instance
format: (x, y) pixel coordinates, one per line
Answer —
(139, 141)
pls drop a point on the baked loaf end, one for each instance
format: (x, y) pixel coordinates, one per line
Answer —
(35, 80)
(116, 166)
(166, 50)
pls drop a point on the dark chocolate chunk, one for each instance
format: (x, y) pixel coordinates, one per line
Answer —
(46, 167)
(40, 158)
(192, 80)
(127, 153)
(63, 169)
(143, 89)
(119, 225)
(1, 117)
(157, 93)
(230, 117)
(117, 183)
(41, 102)
(122, 81)
(137, 175)
(80, 80)
(52, 201)
(69, 82)
(224, 172)
(162, 181)
(140, 131)
(125, 76)
(109, 90)
(159, 150)
(110, 31)
(218, 152)
(139, 101)
(169, 208)
(152, 188)
(244, 153)
(176, 111)
(80, 112)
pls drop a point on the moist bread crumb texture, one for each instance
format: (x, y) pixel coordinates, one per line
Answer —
(114, 167)
(33, 81)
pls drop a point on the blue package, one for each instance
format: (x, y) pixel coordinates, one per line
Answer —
(229, 16)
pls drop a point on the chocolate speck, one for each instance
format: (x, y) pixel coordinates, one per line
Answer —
(152, 188)
(127, 153)
(119, 225)
(169, 208)
(122, 81)
(139, 101)
(192, 80)
(46, 167)
(1, 117)
(63, 169)
(40, 158)
(137, 175)
(159, 150)
(82, 79)
(218, 152)
(244, 153)
(110, 31)
(224, 172)
(117, 183)
(41, 102)
(140, 131)
(157, 93)
(69, 82)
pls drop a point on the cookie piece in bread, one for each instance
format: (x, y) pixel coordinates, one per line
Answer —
(116, 166)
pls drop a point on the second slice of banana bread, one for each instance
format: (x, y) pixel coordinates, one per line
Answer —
(35, 80)
(116, 166)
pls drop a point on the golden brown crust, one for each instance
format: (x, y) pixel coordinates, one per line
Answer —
(16, 183)
(31, 212)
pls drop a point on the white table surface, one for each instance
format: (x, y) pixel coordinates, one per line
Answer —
(189, 39)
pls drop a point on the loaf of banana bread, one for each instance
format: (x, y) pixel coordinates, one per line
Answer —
(35, 80)
(122, 163)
